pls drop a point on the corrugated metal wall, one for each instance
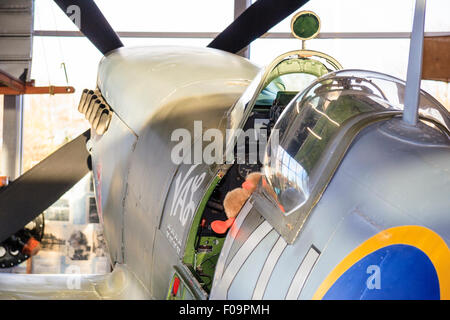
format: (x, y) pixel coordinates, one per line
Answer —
(16, 28)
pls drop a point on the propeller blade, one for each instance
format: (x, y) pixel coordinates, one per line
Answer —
(91, 22)
(38, 188)
(253, 23)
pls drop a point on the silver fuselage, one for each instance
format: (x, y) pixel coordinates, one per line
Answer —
(382, 183)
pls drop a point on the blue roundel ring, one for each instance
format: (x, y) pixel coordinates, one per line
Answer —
(407, 262)
(393, 272)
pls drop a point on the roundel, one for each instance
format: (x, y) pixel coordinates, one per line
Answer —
(408, 262)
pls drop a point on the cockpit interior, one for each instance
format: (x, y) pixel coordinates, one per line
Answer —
(260, 106)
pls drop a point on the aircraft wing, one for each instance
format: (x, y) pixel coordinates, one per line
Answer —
(120, 284)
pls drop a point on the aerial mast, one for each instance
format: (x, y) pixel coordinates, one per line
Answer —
(414, 73)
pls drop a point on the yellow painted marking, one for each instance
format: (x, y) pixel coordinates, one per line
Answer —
(417, 236)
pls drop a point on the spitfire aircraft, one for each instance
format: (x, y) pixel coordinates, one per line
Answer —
(352, 204)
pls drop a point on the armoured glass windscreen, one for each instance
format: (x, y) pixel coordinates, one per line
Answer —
(312, 119)
(292, 75)
(289, 75)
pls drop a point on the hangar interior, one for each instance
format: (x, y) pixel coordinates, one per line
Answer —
(45, 63)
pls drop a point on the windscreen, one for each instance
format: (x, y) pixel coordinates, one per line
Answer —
(289, 75)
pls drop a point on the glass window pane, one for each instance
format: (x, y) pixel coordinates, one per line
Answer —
(48, 16)
(372, 16)
(50, 121)
(439, 90)
(382, 55)
(152, 16)
(190, 42)
(172, 15)
(80, 57)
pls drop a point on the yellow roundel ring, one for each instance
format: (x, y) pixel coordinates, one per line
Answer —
(422, 238)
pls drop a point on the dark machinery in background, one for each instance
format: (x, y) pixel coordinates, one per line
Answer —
(24, 243)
